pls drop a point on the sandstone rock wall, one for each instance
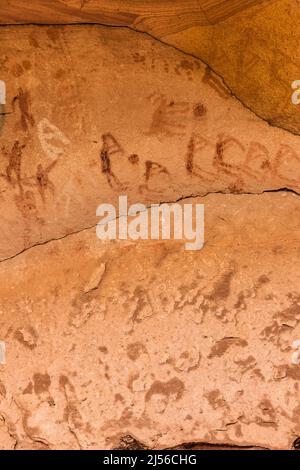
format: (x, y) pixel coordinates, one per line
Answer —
(121, 343)
(94, 112)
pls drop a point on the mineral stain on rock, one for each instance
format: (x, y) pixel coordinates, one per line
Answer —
(41, 383)
(221, 288)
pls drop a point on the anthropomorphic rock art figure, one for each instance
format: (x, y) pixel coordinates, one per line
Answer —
(24, 102)
(41, 180)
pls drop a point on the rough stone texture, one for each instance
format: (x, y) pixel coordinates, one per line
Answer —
(171, 346)
(142, 344)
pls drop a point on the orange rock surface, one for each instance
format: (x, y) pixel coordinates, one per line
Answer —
(142, 344)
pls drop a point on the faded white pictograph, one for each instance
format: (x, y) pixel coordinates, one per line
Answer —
(50, 139)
